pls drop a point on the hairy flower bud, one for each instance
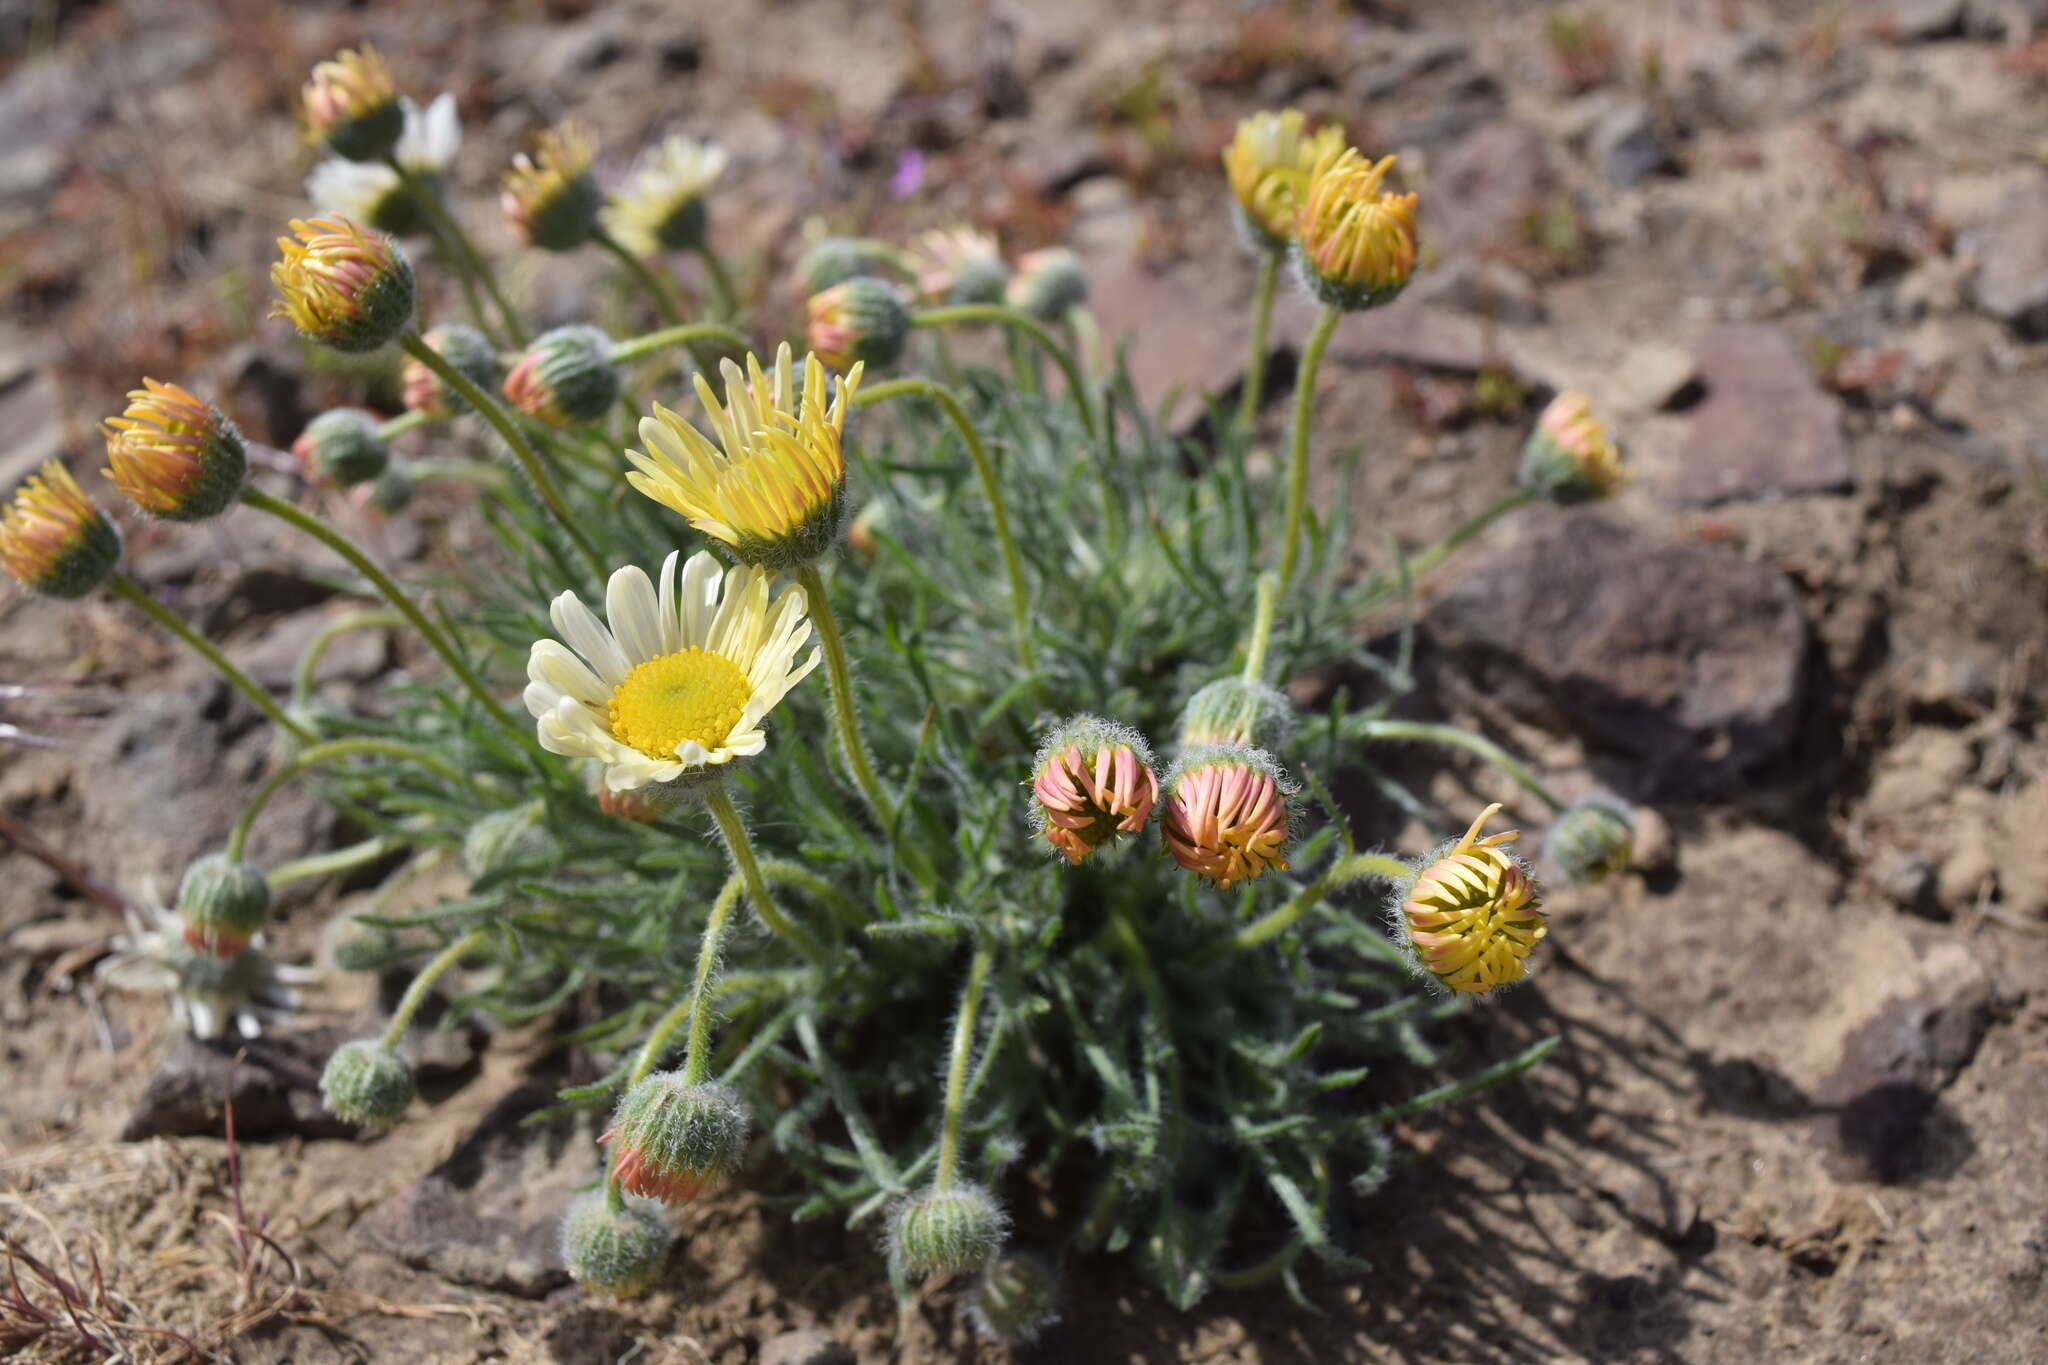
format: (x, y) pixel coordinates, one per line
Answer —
(1226, 813)
(835, 260)
(341, 286)
(662, 207)
(1092, 781)
(1048, 284)
(342, 446)
(1472, 914)
(367, 1084)
(54, 539)
(565, 377)
(351, 106)
(178, 457)
(1015, 1299)
(959, 265)
(1354, 243)
(468, 352)
(507, 839)
(858, 321)
(674, 1138)
(222, 902)
(1591, 841)
(350, 944)
(614, 1251)
(1268, 165)
(391, 492)
(550, 196)
(1237, 711)
(957, 1228)
(1568, 457)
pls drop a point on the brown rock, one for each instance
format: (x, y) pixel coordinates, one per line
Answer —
(2012, 252)
(1487, 186)
(1766, 427)
(1681, 667)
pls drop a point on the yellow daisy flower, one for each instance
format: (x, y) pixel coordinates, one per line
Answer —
(1268, 165)
(679, 682)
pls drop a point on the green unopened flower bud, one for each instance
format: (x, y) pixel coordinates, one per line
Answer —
(222, 903)
(507, 839)
(54, 539)
(341, 286)
(352, 945)
(1568, 457)
(1591, 841)
(367, 1084)
(342, 446)
(393, 490)
(468, 352)
(674, 1138)
(958, 1228)
(835, 260)
(959, 265)
(1015, 1299)
(1237, 711)
(858, 321)
(1048, 284)
(176, 455)
(565, 377)
(614, 1251)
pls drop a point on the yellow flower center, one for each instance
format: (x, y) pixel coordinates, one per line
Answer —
(694, 694)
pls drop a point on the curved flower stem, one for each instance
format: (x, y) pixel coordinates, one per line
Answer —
(663, 293)
(845, 715)
(1013, 563)
(741, 849)
(309, 661)
(1255, 648)
(634, 347)
(404, 422)
(321, 753)
(327, 864)
(467, 261)
(956, 1070)
(1443, 549)
(1456, 737)
(696, 1006)
(416, 993)
(721, 280)
(383, 582)
(536, 472)
(1351, 869)
(128, 590)
(1019, 322)
(1255, 363)
(1297, 463)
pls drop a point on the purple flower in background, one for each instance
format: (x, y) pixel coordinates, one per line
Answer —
(909, 173)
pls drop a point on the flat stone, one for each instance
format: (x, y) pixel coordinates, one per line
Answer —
(490, 1214)
(1919, 20)
(1680, 667)
(30, 416)
(1766, 426)
(1628, 147)
(2004, 18)
(806, 1346)
(2011, 246)
(1481, 288)
(1487, 186)
(275, 1088)
(1654, 376)
(272, 658)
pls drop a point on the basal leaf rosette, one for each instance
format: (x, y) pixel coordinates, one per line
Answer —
(678, 683)
(767, 482)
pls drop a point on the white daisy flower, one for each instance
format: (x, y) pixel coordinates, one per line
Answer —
(680, 681)
(662, 206)
(208, 994)
(370, 191)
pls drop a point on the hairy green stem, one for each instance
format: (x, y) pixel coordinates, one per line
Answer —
(1013, 563)
(416, 993)
(1443, 549)
(321, 753)
(665, 301)
(327, 864)
(634, 347)
(1262, 628)
(721, 280)
(1460, 738)
(316, 648)
(383, 582)
(696, 1006)
(1255, 363)
(468, 262)
(1351, 869)
(536, 472)
(401, 424)
(1297, 462)
(956, 1070)
(128, 590)
(845, 714)
(1029, 326)
(741, 849)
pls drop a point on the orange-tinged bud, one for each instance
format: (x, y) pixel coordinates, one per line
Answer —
(54, 539)
(1093, 781)
(342, 286)
(1473, 914)
(177, 456)
(1354, 242)
(1226, 814)
(1568, 457)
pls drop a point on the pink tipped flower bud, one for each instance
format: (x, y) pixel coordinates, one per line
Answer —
(54, 539)
(343, 447)
(351, 106)
(1092, 781)
(674, 1138)
(1226, 813)
(565, 377)
(222, 902)
(1568, 457)
(341, 286)
(858, 321)
(178, 457)
(471, 355)
(1473, 914)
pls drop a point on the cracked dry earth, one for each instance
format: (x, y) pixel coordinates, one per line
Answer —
(1800, 1112)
